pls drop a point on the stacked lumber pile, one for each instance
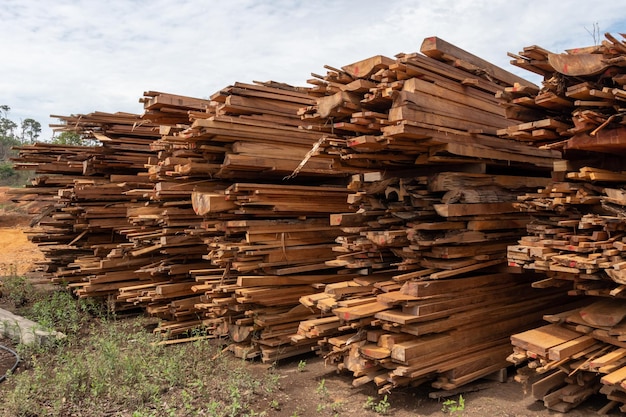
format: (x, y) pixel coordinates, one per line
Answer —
(247, 130)
(578, 235)
(85, 188)
(429, 279)
(416, 334)
(581, 353)
(421, 109)
(264, 214)
(177, 230)
(580, 105)
(274, 248)
(577, 240)
(113, 232)
(424, 238)
(235, 215)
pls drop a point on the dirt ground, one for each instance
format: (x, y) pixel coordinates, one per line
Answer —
(300, 396)
(316, 389)
(17, 254)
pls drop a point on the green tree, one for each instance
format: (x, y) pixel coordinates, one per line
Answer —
(12, 135)
(31, 129)
(8, 138)
(7, 126)
(68, 138)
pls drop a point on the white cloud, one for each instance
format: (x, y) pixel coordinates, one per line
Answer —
(78, 56)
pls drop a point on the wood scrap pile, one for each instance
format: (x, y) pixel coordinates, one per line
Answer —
(578, 235)
(257, 190)
(120, 234)
(581, 103)
(147, 260)
(581, 353)
(247, 130)
(274, 247)
(405, 241)
(420, 109)
(180, 259)
(225, 130)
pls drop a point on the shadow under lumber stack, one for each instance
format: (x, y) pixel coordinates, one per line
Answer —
(578, 237)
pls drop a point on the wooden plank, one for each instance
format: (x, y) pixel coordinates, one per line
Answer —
(548, 384)
(366, 67)
(433, 288)
(564, 350)
(541, 339)
(577, 64)
(435, 47)
(614, 377)
(604, 313)
(359, 312)
(460, 210)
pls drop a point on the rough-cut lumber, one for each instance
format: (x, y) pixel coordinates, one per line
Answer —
(438, 48)
(292, 219)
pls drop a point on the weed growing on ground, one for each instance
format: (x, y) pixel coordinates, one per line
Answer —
(321, 388)
(17, 290)
(274, 404)
(380, 407)
(326, 403)
(452, 406)
(301, 365)
(59, 311)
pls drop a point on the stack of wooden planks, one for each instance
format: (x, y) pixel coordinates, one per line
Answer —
(581, 353)
(420, 109)
(348, 217)
(264, 214)
(423, 238)
(247, 130)
(577, 241)
(416, 254)
(275, 245)
(580, 105)
(577, 236)
(85, 188)
(104, 232)
(458, 108)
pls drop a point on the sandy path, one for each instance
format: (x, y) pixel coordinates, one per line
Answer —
(17, 254)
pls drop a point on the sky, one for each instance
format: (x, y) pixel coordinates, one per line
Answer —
(67, 57)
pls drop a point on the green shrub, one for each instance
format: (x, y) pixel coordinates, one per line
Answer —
(17, 290)
(60, 311)
(6, 170)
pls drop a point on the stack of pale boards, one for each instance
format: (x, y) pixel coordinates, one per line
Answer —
(581, 353)
(577, 239)
(418, 291)
(577, 242)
